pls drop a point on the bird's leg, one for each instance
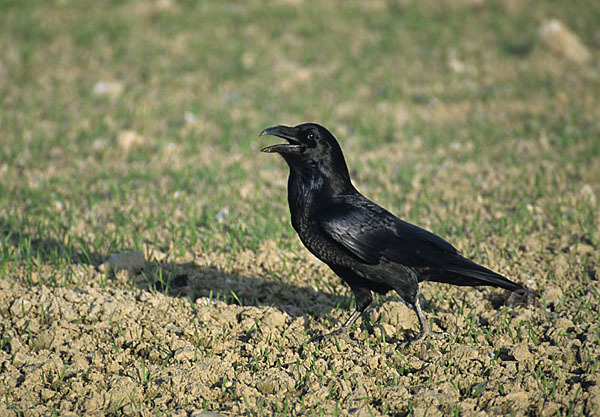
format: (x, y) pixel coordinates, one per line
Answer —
(350, 321)
(425, 329)
(363, 300)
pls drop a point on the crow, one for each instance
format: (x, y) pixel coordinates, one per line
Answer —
(366, 245)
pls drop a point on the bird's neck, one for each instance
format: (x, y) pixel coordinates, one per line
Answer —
(309, 190)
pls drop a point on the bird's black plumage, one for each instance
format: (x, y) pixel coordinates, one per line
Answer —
(367, 246)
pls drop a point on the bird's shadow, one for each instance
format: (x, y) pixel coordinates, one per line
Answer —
(181, 279)
(192, 281)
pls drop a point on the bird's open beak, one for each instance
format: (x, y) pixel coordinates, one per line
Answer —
(288, 133)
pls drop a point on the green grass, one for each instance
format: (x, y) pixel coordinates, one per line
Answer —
(498, 153)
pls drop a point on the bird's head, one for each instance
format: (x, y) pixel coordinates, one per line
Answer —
(311, 148)
(306, 142)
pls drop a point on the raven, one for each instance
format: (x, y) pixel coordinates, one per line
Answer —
(366, 245)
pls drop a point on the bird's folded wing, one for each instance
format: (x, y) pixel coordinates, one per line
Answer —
(371, 233)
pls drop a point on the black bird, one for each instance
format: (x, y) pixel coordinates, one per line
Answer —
(366, 245)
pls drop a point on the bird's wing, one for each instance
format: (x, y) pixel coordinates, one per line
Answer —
(371, 233)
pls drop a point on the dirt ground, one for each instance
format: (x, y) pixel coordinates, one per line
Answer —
(103, 349)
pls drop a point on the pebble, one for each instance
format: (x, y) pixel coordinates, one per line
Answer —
(121, 261)
(20, 307)
(275, 318)
(108, 88)
(560, 39)
(129, 139)
(201, 413)
(187, 353)
(521, 352)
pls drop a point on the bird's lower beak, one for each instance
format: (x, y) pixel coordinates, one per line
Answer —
(286, 132)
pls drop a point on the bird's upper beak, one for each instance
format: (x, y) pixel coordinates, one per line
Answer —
(286, 132)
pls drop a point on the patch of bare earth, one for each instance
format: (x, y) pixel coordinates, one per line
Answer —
(99, 349)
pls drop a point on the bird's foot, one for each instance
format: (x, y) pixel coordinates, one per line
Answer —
(424, 335)
(341, 333)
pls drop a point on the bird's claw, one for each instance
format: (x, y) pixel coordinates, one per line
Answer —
(342, 333)
(422, 336)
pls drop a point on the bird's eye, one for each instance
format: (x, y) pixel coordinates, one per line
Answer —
(311, 139)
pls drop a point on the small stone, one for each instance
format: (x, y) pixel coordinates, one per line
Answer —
(46, 394)
(521, 352)
(553, 294)
(267, 386)
(21, 359)
(587, 193)
(222, 214)
(124, 261)
(519, 398)
(154, 254)
(123, 276)
(511, 367)
(550, 409)
(99, 144)
(456, 65)
(108, 88)
(466, 353)
(564, 324)
(129, 139)
(556, 36)
(201, 413)
(20, 307)
(187, 353)
(190, 118)
(67, 413)
(5, 285)
(384, 328)
(274, 318)
(561, 266)
(165, 5)
(45, 339)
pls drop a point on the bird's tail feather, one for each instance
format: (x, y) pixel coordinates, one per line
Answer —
(463, 271)
(479, 276)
